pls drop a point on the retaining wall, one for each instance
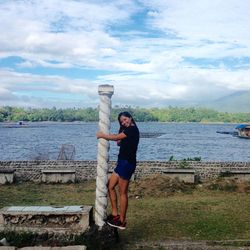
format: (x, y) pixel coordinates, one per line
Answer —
(86, 170)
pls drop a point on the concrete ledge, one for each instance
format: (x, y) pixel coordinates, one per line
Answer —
(58, 176)
(186, 175)
(6, 176)
(76, 247)
(241, 174)
(42, 219)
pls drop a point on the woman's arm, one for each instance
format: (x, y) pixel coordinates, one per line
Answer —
(111, 137)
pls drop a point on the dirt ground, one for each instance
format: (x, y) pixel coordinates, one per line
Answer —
(164, 186)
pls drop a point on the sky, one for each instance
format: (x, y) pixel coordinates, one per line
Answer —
(154, 52)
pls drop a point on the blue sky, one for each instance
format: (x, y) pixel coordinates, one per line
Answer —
(155, 52)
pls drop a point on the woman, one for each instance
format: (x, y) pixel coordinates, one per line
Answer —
(127, 139)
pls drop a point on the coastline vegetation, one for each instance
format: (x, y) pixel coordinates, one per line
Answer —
(167, 114)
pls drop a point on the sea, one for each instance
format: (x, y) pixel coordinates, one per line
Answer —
(159, 141)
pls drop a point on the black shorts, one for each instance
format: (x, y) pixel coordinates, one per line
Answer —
(124, 169)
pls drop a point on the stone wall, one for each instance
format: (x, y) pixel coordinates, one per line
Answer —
(203, 170)
(86, 170)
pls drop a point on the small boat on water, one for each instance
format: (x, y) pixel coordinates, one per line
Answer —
(19, 124)
(243, 131)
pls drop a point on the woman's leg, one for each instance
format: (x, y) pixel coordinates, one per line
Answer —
(123, 189)
(113, 181)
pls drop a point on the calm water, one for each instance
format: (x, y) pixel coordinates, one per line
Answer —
(178, 140)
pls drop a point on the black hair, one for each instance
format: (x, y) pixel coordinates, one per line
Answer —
(126, 114)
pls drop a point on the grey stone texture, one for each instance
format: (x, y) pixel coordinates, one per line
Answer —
(76, 247)
(58, 176)
(41, 219)
(6, 175)
(186, 175)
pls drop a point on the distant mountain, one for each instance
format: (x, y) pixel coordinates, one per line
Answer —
(239, 102)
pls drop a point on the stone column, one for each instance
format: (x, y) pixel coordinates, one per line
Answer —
(101, 202)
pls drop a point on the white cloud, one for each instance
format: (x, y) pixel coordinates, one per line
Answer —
(147, 48)
(82, 35)
(194, 19)
(20, 85)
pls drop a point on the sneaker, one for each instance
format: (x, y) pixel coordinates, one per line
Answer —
(117, 224)
(112, 217)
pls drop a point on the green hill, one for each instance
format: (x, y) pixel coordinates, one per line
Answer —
(238, 102)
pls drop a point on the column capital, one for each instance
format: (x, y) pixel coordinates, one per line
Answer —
(106, 89)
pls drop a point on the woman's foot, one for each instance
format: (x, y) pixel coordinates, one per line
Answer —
(112, 217)
(117, 224)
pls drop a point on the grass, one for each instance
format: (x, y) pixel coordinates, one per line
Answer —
(206, 216)
(47, 194)
(203, 213)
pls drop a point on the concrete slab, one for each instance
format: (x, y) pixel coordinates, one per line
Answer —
(64, 219)
(77, 247)
(74, 209)
(186, 175)
(6, 176)
(239, 174)
(7, 248)
(30, 209)
(15, 209)
(58, 176)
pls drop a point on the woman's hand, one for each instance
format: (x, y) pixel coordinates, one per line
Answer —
(112, 137)
(100, 135)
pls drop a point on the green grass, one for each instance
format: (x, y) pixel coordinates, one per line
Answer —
(47, 194)
(203, 214)
(200, 216)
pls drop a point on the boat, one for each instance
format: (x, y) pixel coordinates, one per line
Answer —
(19, 124)
(243, 131)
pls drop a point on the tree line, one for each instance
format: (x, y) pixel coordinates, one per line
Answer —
(168, 114)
